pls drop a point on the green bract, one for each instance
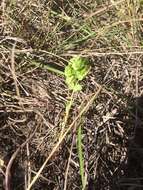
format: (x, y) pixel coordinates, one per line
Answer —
(75, 71)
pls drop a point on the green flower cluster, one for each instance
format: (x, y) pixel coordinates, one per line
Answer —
(75, 71)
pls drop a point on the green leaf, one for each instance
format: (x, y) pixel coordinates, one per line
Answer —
(69, 71)
(78, 63)
(77, 87)
(81, 74)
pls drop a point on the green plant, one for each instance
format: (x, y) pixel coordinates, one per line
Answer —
(75, 71)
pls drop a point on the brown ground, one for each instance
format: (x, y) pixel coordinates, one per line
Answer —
(33, 99)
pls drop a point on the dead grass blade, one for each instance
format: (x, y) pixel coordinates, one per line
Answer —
(8, 168)
(89, 16)
(13, 70)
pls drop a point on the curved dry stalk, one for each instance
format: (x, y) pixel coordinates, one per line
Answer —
(68, 164)
(89, 16)
(8, 168)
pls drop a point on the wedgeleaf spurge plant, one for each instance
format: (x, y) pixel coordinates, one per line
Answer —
(76, 70)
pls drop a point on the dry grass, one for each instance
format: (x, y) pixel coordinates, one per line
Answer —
(33, 100)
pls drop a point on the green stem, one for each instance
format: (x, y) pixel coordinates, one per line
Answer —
(47, 67)
(68, 108)
(81, 158)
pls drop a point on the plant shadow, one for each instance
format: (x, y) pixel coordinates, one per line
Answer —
(129, 174)
(133, 177)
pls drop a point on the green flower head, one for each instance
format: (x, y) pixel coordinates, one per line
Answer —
(75, 71)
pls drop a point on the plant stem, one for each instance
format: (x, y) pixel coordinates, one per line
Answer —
(47, 67)
(80, 155)
(68, 108)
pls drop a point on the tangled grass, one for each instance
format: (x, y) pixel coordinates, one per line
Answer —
(32, 99)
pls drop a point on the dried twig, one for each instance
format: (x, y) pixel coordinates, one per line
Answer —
(68, 164)
(8, 168)
(13, 72)
(89, 16)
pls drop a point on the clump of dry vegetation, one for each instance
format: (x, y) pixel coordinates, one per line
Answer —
(34, 152)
